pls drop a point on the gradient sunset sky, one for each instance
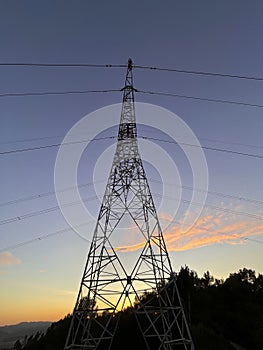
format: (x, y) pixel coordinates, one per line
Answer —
(40, 280)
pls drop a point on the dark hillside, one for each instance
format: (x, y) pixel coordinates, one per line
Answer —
(223, 315)
(10, 334)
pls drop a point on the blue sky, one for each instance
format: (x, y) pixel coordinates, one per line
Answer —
(223, 37)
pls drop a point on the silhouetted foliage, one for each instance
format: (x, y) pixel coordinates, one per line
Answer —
(17, 345)
(222, 315)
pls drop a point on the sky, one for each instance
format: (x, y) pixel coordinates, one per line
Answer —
(40, 279)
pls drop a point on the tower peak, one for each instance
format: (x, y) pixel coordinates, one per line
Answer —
(130, 64)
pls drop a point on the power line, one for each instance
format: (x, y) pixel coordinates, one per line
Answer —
(51, 209)
(153, 68)
(48, 235)
(41, 237)
(151, 131)
(143, 137)
(43, 211)
(62, 65)
(253, 240)
(219, 194)
(253, 216)
(206, 147)
(194, 72)
(230, 143)
(46, 93)
(157, 93)
(31, 139)
(202, 138)
(51, 193)
(45, 194)
(55, 145)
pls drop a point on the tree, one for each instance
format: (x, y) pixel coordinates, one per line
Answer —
(221, 313)
(17, 345)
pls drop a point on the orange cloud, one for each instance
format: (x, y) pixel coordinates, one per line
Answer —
(130, 248)
(208, 230)
(7, 258)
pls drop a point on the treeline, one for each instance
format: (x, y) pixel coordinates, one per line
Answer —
(222, 314)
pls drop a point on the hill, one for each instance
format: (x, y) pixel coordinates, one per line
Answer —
(10, 334)
(223, 315)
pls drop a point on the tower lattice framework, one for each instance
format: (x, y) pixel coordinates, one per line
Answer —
(148, 291)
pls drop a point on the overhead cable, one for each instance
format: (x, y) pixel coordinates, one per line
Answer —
(62, 65)
(253, 216)
(52, 209)
(218, 194)
(46, 93)
(167, 94)
(206, 147)
(204, 73)
(54, 145)
(253, 155)
(156, 93)
(152, 68)
(41, 237)
(46, 194)
(52, 193)
(44, 211)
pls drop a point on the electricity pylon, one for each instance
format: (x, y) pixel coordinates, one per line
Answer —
(107, 288)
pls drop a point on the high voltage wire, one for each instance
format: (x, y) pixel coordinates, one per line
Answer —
(43, 211)
(204, 73)
(45, 194)
(62, 65)
(152, 68)
(219, 194)
(143, 137)
(48, 210)
(253, 240)
(253, 216)
(55, 145)
(156, 93)
(151, 131)
(48, 235)
(41, 237)
(33, 139)
(230, 143)
(46, 93)
(199, 138)
(51, 193)
(206, 147)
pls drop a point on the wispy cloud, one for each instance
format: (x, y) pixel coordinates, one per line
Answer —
(208, 230)
(7, 258)
(130, 248)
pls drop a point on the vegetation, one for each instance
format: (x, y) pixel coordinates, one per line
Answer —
(223, 315)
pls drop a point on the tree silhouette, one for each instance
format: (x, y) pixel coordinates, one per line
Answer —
(222, 314)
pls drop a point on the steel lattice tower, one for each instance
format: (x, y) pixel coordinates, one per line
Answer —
(106, 287)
